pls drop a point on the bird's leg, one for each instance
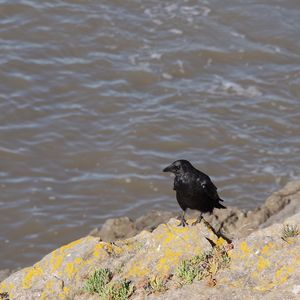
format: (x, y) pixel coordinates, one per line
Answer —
(209, 227)
(182, 221)
(198, 220)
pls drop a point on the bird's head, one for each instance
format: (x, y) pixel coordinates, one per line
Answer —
(179, 167)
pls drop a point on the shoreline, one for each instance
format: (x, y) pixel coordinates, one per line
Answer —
(233, 222)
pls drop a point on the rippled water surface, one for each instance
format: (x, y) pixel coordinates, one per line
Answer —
(96, 97)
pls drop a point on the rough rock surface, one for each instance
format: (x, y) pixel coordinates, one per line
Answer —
(61, 273)
(124, 227)
(262, 264)
(289, 194)
(232, 221)
(4, 273)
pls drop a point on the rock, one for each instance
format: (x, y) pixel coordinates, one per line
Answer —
(290, 196)
(123, 227)
(61, 273)
(152, 219)
(4, 273)
(233, 222)
(117, 228)
(261, 264)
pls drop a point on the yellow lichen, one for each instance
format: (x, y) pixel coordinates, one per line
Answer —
(100, 249)
(244, 247)
(106, 249)
(71, 245)
(69, 269)
(139, 269)
(262, 263)
(283, 274)
(35, 271)
(47, 290)
(56, 260)
(280, 276)
(3, 287)
(170, 258)
(264, 287)
(6, 288)
(173, 233)
(266, 248)
(220, 242)
(64, 293)
(78, 260)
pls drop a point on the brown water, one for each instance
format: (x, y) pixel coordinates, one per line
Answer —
(98, 96)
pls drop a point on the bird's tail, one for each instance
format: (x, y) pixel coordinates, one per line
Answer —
(219, 205)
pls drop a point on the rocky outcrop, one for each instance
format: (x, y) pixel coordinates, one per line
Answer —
(232, 221)
(4, 273)
(124, 227)
(261, 265)
(62, 273)
(171, 262)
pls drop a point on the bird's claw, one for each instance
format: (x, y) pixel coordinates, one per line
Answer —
(183, 223)
(195, 223)
(198, 221)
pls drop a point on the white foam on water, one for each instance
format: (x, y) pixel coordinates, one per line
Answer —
(156, 56)
(167, 76)
(221, 85)
(176, 31)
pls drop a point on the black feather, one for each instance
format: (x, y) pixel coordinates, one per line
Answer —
(194, 189)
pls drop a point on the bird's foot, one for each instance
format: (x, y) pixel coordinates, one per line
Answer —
(209, 226)
(198, 221)
(183, 223)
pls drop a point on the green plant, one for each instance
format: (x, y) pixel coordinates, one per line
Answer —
(100, 283)
(156, 285)
(190, 269)
(120, 290)
(224, 260)
(289, 231)
(201, 266)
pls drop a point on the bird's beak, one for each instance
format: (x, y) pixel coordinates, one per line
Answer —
(168, 169)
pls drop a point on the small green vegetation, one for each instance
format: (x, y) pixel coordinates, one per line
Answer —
(120, 290)
(190, 269)
(289, 231)
(156, 285)
(100, 283)
(202, 266)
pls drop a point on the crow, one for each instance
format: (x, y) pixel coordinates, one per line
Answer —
(194, 189)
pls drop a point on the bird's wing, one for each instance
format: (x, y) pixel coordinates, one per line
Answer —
(209, 188)
(215, 190)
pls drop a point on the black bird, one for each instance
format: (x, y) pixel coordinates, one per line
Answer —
(194, 189)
